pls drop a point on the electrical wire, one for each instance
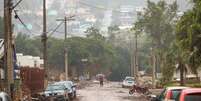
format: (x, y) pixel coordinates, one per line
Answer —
(18, 2)
(52, 32)
(22, 9)
(64, 32)
(98, 7)
(25, 26)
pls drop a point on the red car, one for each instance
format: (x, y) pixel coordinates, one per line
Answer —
(169, 94)
(191, 94)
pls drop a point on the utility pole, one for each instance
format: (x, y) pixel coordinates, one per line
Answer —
(44, 41)
(65, 49)
(8, 49)
(131, 56)
(135, 58)
(154, 67)
(66, 19)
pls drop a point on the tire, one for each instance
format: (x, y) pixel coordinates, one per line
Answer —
(70, 97)
(131, 92)
(75, 96)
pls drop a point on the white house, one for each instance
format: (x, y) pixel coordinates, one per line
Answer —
(31, 61)
(187, 75)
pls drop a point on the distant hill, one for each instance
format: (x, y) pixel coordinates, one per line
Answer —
(34, 21)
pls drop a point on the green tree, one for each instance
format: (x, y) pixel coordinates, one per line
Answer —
(94, 33)
(26, 45)
(113, 31)
(188, 37)
(101, 55)
(158, 22)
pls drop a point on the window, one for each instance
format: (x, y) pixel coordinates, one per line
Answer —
(193, 97)
(175, 93)
(162, 95)
(7, 98)
(55, 87)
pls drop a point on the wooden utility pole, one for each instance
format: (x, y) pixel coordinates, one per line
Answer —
(131, 56)
(8, 49)
(135, 58)
(66, 19)
(65, 49)
(44, 41)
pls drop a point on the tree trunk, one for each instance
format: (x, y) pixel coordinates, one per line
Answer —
(181, 67)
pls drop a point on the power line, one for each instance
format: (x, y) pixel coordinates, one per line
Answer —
(27, 18)
(40, 27)
(98, 7)
(22, 9)
(51, 33)
(25, 26)
(17, 4)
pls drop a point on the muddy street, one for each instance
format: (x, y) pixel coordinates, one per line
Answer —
(111, 91)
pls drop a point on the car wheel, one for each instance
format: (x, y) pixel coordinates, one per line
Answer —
(75, 95)
(70, 96)
(68, 99)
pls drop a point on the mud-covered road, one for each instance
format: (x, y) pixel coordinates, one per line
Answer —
(111, 91)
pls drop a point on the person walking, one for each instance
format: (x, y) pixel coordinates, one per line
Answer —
(101, 80)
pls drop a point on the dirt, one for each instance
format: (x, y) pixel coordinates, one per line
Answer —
(111, 91)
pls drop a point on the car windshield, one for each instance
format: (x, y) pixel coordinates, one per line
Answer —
(55, 87)
(193, 97)
(129, 79)
(66, 84)
(175, 94)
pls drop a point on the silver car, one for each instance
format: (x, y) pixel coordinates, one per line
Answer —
(70, 86)
(4, 97)
(57, 92)
(128, 82)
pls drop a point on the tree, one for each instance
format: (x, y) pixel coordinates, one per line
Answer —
(113, 31)
(188, 37)
(94, 33)
(158, 22)
(26, 45)
(101, 55)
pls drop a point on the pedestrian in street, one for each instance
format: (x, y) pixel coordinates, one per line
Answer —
(101, 81)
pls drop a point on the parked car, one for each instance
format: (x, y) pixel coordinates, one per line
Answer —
(57, 92)
(191, 94)
(4, 97)
(169, 94)
(71, 88)
(128, 82)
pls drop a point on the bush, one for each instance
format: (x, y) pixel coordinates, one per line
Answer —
(197, 85)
